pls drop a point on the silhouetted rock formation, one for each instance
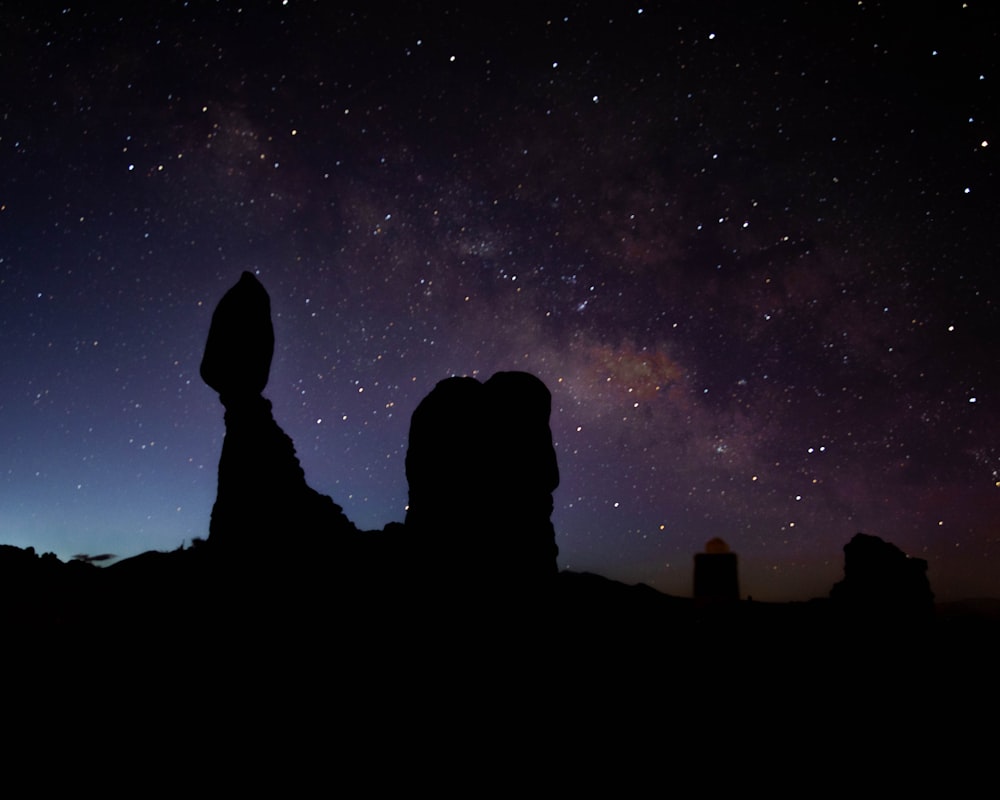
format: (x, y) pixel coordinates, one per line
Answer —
(264, 506)
(480, 464)
(881, 580)
(716, 578)
(287, 606)
(481, 470)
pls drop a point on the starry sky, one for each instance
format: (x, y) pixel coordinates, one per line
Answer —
(751, 251)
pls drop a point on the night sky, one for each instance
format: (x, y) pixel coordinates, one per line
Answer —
(751, 251)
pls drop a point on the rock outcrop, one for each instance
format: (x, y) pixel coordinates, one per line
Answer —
(880, 580)
(263, 506)
(481, 469)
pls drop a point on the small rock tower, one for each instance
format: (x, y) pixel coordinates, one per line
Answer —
(716, 577)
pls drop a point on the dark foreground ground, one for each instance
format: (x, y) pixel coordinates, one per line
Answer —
(172, 654)
(191, 604)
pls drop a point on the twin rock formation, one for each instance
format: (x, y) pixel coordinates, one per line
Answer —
(480, 465)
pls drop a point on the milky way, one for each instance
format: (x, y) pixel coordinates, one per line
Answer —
(750, 252)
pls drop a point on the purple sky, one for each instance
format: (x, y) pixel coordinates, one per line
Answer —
(752, 254)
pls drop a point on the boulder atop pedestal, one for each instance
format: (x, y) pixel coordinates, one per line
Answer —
(240, 345)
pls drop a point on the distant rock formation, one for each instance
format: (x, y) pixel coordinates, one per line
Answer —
(881, 579)
(716, 578)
